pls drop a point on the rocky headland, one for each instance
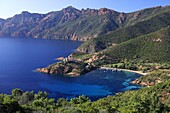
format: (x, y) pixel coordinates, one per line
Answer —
(153, 78)
(69, 67)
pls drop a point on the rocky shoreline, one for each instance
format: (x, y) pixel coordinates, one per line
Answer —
(69, 68)
(153, 78)
(60, 58)
(148, 83)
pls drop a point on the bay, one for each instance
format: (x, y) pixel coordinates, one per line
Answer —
(19, 57)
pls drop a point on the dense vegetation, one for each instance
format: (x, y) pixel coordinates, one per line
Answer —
(145, 53)
(154, 47)
(154, 99)
(123, 34)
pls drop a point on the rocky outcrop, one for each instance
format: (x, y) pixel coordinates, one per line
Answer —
(104, 11)
(122, 18)
(60, 58)
(70, 13)
(42, 70)
(68, 68)
(146, 83)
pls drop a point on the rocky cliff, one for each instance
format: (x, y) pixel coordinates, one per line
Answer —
(67, 24)
(68, 68)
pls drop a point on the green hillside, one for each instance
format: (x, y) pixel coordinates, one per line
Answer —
(154, 47)
(126, 33)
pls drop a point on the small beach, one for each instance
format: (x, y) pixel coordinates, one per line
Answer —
(138, 72)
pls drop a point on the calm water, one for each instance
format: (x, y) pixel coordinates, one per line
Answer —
(19, 57)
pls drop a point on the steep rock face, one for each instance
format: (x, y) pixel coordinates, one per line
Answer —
(74, 24)
(104, 11)
(67, 24)
(70, 13)
(20, 25)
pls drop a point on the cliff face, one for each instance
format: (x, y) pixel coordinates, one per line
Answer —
(71, 23)
(67, 24)
(20, 25)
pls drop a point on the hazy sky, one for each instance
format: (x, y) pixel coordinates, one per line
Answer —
(9, 8)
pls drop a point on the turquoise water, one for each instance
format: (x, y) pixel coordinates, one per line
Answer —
(20, 56)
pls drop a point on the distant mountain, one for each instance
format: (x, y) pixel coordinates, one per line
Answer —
(72, 24)
(69, 23)
(1, 20)
(20, 25)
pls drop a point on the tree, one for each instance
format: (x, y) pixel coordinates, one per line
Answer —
(41, 95)
(62, 102)
(80, 100)
(38, 103)
(17, 92)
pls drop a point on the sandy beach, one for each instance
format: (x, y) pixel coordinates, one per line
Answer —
(138, 72)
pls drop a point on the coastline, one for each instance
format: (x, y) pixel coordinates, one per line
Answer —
(138, 72)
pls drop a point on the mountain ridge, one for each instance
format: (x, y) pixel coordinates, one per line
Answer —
(41, 23)
(70, 23)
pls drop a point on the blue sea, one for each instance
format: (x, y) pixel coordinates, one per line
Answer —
(19, 57)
